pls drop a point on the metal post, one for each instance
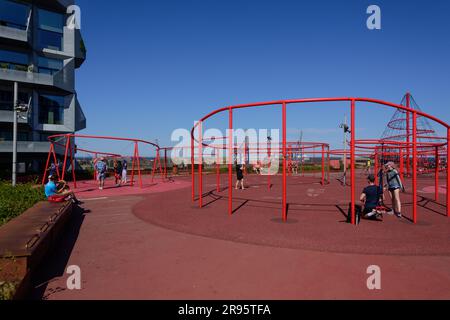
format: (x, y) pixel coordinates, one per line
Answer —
(165, 164)
(448, 172)
(375, 168)
(230, 161)
(47, 164)
(200, 164)
(192, 169)
(138, 165)
(65, 156)
(408, 121)
(402, 167)
(72, 162)
(344, 179)
(14, 161)
(436, 175)
(284, 164)
(217, 169)
(323, 165)
(352, 163)
(414, 167)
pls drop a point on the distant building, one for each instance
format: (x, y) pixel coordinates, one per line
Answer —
(40, 53)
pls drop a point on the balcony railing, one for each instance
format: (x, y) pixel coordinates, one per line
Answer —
(16, 73)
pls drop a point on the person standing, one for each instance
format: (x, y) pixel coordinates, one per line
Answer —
(100, 168)
(394, 185)
(124, 172)
(240, 176)
(117, 173)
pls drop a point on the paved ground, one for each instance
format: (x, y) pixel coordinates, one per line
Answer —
(133, 247)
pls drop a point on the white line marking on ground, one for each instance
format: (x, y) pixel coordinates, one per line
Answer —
(93, 199)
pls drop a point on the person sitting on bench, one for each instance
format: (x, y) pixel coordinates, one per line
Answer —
(370, 198)
(60, 191)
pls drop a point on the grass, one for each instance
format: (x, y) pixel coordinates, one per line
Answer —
(15, 201)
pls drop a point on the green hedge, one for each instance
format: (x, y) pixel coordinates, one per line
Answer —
(14, 201)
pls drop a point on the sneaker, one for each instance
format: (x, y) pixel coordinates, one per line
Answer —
(371, 214)
(398, 215)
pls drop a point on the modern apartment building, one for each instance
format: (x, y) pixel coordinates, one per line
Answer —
(40, 51)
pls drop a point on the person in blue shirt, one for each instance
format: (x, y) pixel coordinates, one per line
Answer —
(101, 168)
(370, 198)
(60, 190)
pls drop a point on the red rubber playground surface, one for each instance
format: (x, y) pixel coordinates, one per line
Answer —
(157, 244)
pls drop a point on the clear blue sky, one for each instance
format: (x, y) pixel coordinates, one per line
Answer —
(154, 66)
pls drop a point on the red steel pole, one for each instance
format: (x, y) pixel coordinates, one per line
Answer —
(165, 163)
(414, 168)
(402, 167)
(192, 169)
(352, 163)
(323, 164)
(284, 164)
(95, 171)
(375, 169)
(448, 172)
(269, 154)
(217, 170)
(328, 165)
(73, 168)
(408, 121)
(47, 163)
(65, 156)
(436, 175)
(200, 164)
(133, 165)
(139, 165)
(54, 159)
(154, 165)
(230, 161)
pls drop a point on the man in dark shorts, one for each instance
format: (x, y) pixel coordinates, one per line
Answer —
(370, 198)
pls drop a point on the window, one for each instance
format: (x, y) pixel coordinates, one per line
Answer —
(7, 135)
(13, 14)
(7, 99)
(13, 60)
(51, 109)
(50, 40)
(49, 66)
(51, 30)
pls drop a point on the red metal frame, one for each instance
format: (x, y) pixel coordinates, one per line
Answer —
(69, 154)
(354, 145)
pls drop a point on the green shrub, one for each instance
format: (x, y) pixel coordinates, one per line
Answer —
(7, 290)
(14, 201)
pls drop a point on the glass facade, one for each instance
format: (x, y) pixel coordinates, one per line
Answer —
(50, 30)
(7, 135)
(49, 66)
(51, 109)
(7, 99)
(13, 60)
(14, 14)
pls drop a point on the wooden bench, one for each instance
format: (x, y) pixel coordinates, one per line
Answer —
(26, 241)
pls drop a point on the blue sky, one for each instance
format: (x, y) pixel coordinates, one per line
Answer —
(155, 66)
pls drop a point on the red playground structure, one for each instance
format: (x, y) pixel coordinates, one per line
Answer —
(409, 141)
(65, 144)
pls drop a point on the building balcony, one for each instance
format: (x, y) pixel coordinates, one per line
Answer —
(14, 34)
(8, 116)
(62, 79)
(25, 146)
